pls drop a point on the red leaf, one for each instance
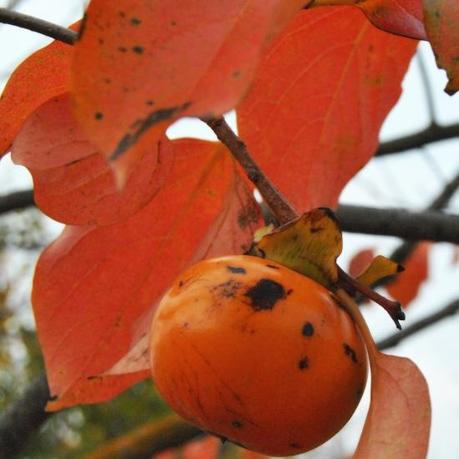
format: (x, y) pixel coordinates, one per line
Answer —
(95, 288)
(360, 261)
(401, 17)
(42, 75)
(398, 422)
(73, 183)
(441, 19)
(313, 115)
(140, 65)
(406, 286)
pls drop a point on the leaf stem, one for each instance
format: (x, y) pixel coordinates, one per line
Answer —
(278, 204)
(38, 25)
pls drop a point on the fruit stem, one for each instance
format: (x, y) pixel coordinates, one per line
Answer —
(392, 307)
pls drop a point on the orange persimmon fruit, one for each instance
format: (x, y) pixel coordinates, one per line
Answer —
(258, 354)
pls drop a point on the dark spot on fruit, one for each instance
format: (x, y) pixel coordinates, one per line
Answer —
(265, 294)
(122, 49)
(236, 269)
(173, 23)
(138, 49)
(308, 329)
(92, 378)
(273, 266)
(180, 284)
(295, 445)
(227, 289)
(135, 21)
(236, 74)
(186, 325)
(237, 424)
(350, 352)
(122, 14)
(303, 364)
(107, 80)
(317, 229)
(150, 102)
(289, 291)
(98, 115)
(101, 41)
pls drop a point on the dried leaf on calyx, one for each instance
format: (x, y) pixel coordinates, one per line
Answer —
(310, 245)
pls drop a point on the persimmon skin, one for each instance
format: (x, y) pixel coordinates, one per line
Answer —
(256, 353)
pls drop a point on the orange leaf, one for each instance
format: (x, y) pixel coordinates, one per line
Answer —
(95, 288)
(406, 286)
(399, 417)
(139, 65)
(73, 182)
(360, 261)
(313, 115)
(42, 75)
(398, 422)
(441, 19)
(401, 17)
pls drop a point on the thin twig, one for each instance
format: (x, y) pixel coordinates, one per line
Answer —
(427, 86)
(279, 206)
(431, 134)
(401, 253)
(396, 338)
(38, 25)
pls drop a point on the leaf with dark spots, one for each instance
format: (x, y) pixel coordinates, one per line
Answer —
(236, 269)
(142, 126)
(73, 183)
(350, 352)
(265, 294)
(308, 329)
(173, 51)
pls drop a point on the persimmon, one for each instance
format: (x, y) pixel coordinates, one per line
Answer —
(258, 354)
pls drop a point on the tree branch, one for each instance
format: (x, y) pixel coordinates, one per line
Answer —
(16, 201)
(23, 418)
(433, 133)
(149, 439)
(38, 25)
(402, 223)
(427, 321)
(278, 204)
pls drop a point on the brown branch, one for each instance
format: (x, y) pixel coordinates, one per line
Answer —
(431, 319)
(402, 223)
(38, 25)
(22, 418)
(433, 133)
(16, 201)
(278, 204)
(149, 439)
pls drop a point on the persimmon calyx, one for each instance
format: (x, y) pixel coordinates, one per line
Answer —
(311, 245)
